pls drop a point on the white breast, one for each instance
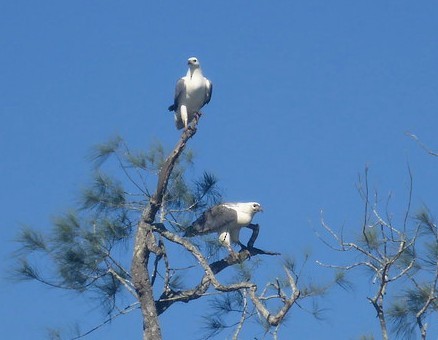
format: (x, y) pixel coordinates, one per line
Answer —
(243, 218)
(195, 92)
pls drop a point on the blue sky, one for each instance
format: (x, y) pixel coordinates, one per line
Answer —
(306, 93)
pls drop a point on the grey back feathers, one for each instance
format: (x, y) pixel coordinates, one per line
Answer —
(212, 220)
(224, 217)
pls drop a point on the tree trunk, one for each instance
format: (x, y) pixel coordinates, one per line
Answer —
(145, 242)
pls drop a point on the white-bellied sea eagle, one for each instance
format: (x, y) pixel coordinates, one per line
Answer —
(226, 219)
(192, 92)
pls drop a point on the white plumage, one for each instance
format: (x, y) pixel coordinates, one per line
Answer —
(226, 219)
(192, 92)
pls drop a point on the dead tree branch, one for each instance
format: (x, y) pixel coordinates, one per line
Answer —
(209, 278)
(380, 250)
(423, 146)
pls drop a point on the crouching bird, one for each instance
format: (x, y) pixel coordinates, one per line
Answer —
(226, 219)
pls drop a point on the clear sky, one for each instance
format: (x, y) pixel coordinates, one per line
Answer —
(306, 93)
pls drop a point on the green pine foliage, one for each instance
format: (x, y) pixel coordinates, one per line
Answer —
(87, 245)
(418, 300)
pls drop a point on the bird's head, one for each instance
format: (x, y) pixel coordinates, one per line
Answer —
(193, 62)
(253, 207)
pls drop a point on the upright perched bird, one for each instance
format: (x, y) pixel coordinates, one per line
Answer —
(226, 219)
(191, 93)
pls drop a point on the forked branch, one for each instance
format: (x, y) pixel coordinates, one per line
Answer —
(210, 279)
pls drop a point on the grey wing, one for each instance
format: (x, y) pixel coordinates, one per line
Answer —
(212, 220)
(208, 91)
(179, 91)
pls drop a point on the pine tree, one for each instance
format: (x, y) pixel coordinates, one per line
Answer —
(144, 211)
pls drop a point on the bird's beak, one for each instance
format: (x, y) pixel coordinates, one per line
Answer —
(260, 209)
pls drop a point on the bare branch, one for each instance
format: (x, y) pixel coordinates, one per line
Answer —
(382, 222)
(333, 234)
(366, 199)
(349, 267)
(211, 270)
(363, 251)
(126, 310)
(403, 272)
(274, 320)
(243, 317)
(385, 244)
(423, 146)
(124, 282)
(408, 208)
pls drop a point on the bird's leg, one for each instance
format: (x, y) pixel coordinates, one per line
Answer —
(233, 255)
(195, 120)
(224, 239)
(196, 117)
(184, 116)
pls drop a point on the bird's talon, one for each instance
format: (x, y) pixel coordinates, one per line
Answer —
(234, 257)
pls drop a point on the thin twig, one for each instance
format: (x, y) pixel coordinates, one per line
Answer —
(423, 146)
(365, 218)
(126, 310)
(243, 317)
(124, 282)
